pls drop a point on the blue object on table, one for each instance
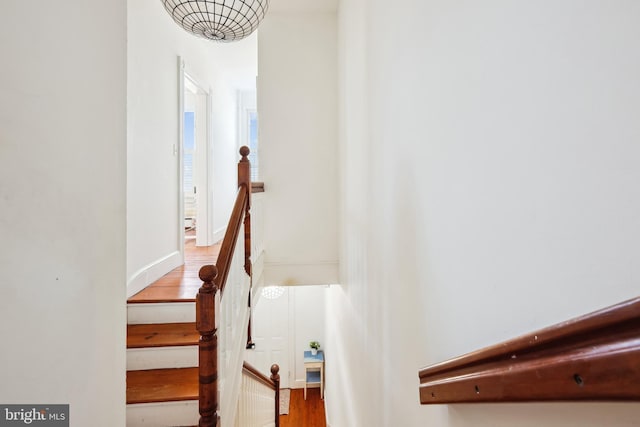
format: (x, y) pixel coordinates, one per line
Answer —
(314, 371)
(308, 357)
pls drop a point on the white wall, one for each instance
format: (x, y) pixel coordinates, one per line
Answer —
(298, 315)
(154, 44)
(308, 323)
(62, 207)
(489, 159)
(297, 100)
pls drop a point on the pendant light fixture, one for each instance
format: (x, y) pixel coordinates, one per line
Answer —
(218, 20)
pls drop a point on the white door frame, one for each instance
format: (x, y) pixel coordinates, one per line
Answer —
(204, 184)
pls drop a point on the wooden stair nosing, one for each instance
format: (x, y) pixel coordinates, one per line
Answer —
(163, 300)
(162, 385)
(162, 335)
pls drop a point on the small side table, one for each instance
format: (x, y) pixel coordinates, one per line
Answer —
(314, 371)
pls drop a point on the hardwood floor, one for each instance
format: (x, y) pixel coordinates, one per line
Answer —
(162, 385)
(162, 335)
(304, 413)
(182, 283)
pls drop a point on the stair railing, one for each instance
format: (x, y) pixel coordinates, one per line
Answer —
(595, 357)
(256, 406)
(222, 312)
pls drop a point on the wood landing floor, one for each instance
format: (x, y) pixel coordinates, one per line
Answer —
(304, 413)
(182, 283)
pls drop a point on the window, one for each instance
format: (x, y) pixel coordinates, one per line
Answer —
(248, 129)
(252, 143)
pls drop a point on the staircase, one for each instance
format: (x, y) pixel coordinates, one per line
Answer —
(162, 345)
(185, 372)
(162, 363)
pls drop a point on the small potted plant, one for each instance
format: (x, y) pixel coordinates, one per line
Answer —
(315, 345)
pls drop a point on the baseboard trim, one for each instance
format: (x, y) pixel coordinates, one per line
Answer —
(218, 235)
(152, 272)
(298, 384)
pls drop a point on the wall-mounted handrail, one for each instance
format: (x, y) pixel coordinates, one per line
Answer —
(593, 357)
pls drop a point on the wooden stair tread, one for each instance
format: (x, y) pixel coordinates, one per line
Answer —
(162, 385)
(163, 294)
(162, 335)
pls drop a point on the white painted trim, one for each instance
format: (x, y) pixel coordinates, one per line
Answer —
(208, 161)
(218, 235)
(206, 185)
(170, 312)
(298, 383)
(291, 335)
(211, 234)
(320, 273)
(180, 151)
(202, 160)
(152, 272)
(162, 414)
(162, 357)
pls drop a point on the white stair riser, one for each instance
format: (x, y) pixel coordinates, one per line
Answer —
(162, 357)
(174, 312)
(166, 414)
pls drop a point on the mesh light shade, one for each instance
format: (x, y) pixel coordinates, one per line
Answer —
(221, 20)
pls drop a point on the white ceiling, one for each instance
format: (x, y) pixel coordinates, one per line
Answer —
(303, 5)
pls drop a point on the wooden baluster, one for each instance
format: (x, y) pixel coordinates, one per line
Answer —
(275, 377)
(250, 344)
(208, 347)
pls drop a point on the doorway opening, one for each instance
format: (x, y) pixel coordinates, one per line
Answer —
(195, 204)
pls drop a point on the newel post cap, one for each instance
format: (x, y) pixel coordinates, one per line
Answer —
(275, 369)
(208, 273)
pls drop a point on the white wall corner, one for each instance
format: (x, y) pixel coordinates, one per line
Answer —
(152, 272)
(326, 412)
(218, 235)
(320, 273)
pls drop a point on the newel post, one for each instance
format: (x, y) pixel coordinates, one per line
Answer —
(275, 377)
(244, 179)
(207, 347)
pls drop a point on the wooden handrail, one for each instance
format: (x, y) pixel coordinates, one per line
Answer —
(272, 382)
(254, 373)
(228, 246)
(214, 278)
(593, 357)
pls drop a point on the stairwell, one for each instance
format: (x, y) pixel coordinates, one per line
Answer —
(183, 372)
(162, 348)
(162, 345)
